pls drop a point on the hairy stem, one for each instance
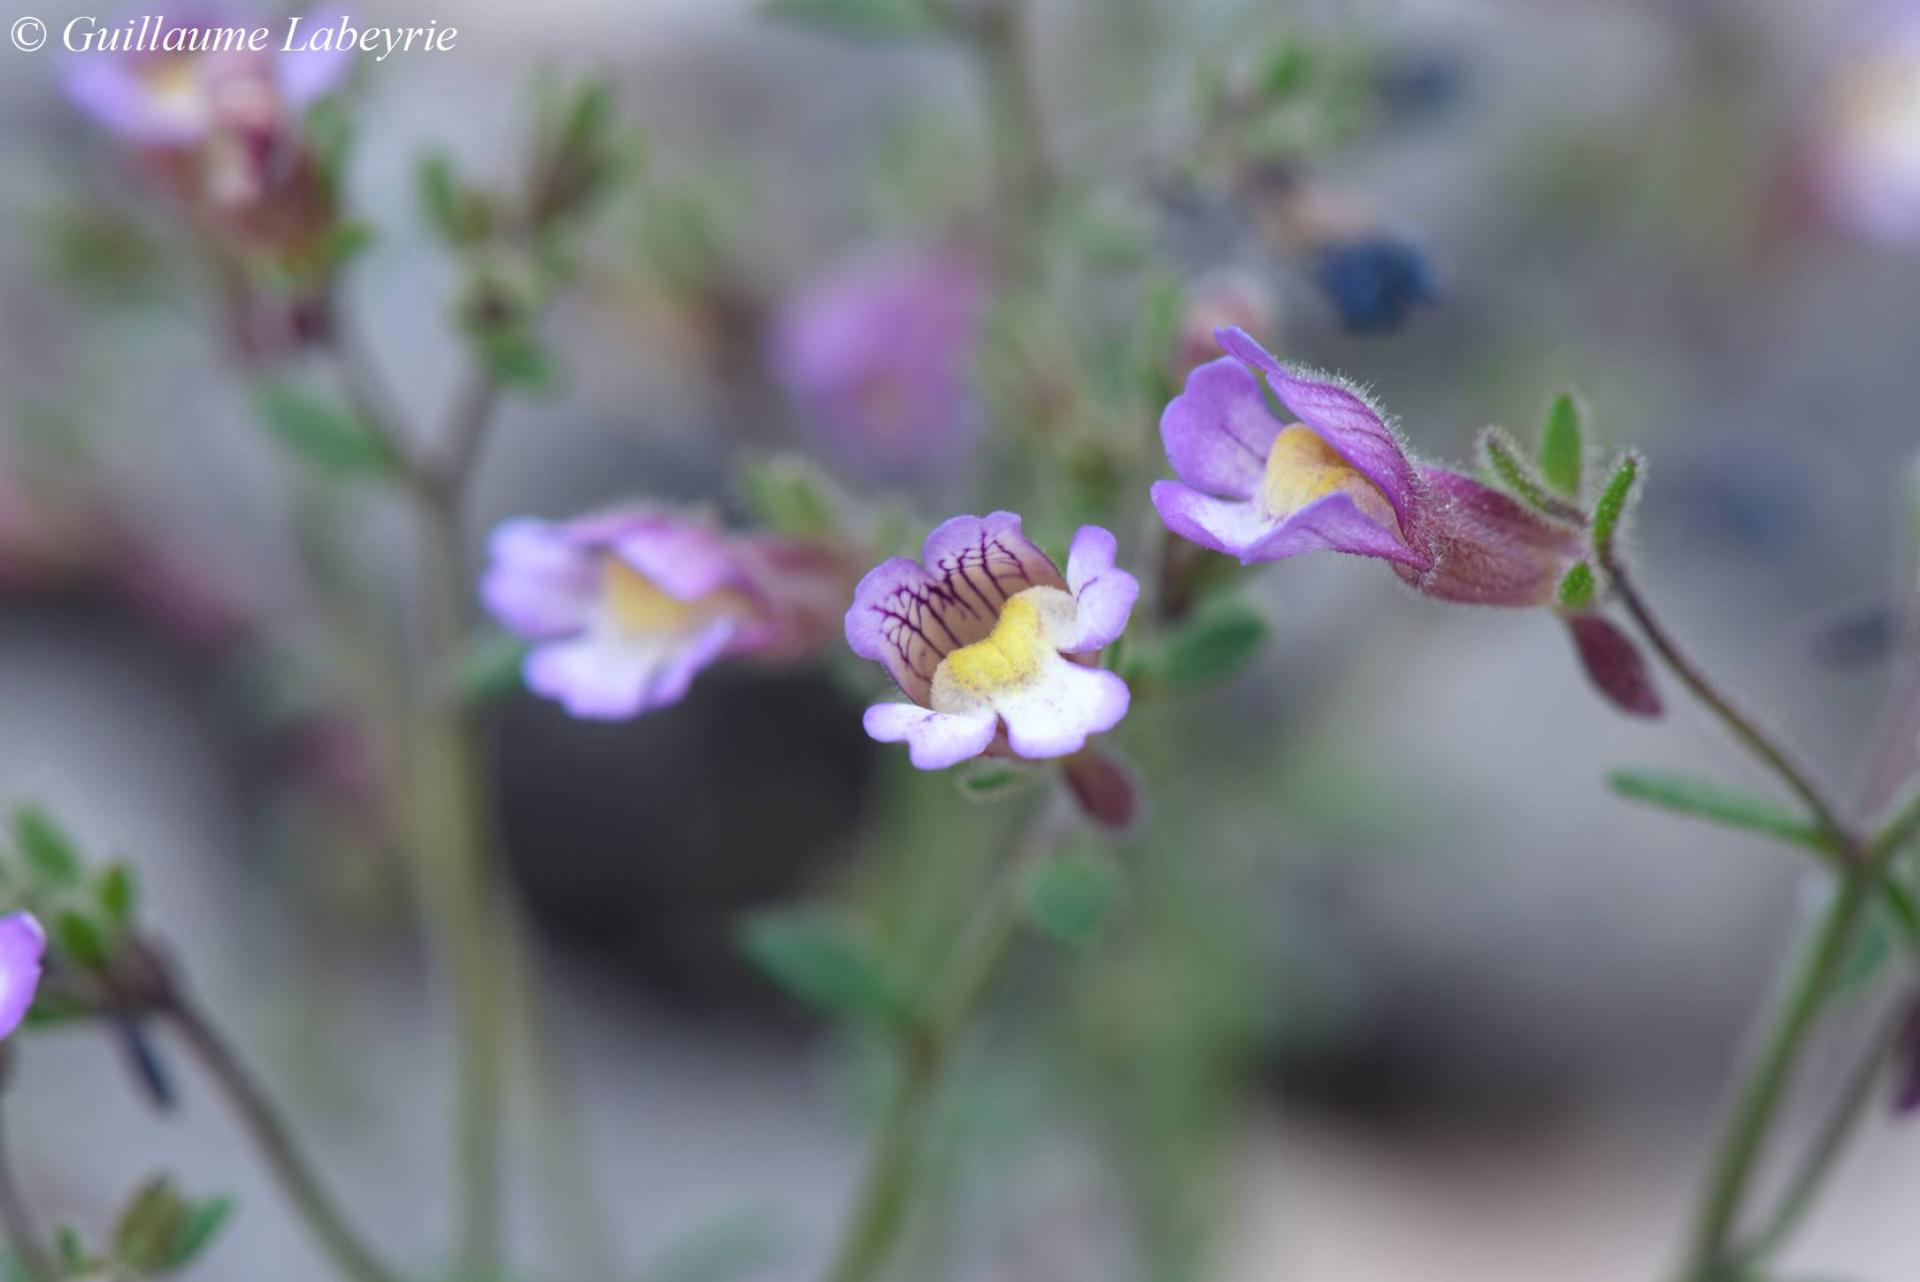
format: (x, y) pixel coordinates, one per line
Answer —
(879, 1211)
(271, 1136)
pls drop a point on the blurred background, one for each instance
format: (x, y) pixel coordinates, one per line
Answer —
(1393, 987)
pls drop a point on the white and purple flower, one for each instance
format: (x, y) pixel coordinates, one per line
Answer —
(878, 356)
(1339, 480)
(627, 607)
(22, 946)
(995, 648)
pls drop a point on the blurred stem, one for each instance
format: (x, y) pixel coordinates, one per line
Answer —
(275, 1141)
(879, 1211)
(14, 1217)
(1831, 1141)
(460, 900)
(1756, 741)
(1016, 129)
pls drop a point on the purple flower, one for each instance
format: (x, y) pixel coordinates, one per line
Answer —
(171, 82)
(878, 356)
(1339, 480)
(994, 648)
(627, 606)
(22, 944)
(1863, 155)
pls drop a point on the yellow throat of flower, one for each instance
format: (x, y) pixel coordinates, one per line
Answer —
(638, 605)
(1302, 468)
(1013, 654)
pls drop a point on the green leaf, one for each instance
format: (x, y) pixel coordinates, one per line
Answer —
(490, 668)
(739, 1244)
(81, 941)
(862, 17)
(1068, 896)
(1871, 948)
(72, 1249)
(789, 495)
(519, 360)
(1718, 803)
(445, 202)
(825, 962)
(1220, 641)
(1562, 446)
(203, 1225)
(345, 242)
(146, 1237)
(1512, 472)
(322, 434)
(1577, 587)
(48, 850)
(119, 894)
(1613, 504)
(992, 780)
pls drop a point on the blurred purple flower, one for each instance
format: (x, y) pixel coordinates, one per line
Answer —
(628, 606)
(186, 81)
(878, 355)
(1861, 159)
(995, 649)
(1339, 480)
(22, 944)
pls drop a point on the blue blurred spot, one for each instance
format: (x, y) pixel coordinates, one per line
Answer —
(1373, 282)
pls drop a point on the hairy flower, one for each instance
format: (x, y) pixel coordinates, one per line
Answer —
(626, 607)
(996, 650)
(878, 355)
(1339, 480)
(22, 944)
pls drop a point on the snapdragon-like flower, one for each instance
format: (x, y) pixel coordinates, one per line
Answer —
(626, 607)
(996, 650)
(1339, 480)
(878, 355)
(22, 945)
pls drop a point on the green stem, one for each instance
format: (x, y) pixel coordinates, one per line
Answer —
(1820, 1158)
(460, 898)
(275, 1141)
(1022, 175)
(22, 1237)
(879, 1210)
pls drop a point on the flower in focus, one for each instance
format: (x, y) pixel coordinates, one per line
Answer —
(626, 607)
(1862, 161)
(1339, 480)
(878, 355)
(22, 944)
(996, 650)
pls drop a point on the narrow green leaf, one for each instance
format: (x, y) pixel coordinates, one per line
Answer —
(321, 433)
(1577, 587)
(992, 780)
(1069, 895)
(490, 668)
(519, 360)
(119, 894)
(1562, 446)
(442, 197)
(1511, 471)
(1220, 641)
(203, 1224)
(72, 1249)
(48, 850)
(1613, 504)
(790, 496)
(80, 940)
(1718, 803)
(1871, 949)
(824, 962)
(146, 1234)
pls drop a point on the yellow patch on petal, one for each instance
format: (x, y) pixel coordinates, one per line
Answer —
(639, 605)
(1302, 468)
(1016, 652)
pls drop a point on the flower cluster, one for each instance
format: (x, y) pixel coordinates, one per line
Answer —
(626, 607)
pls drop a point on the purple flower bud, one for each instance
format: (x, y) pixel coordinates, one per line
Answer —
(1906, 1064)
(1339, 480)
(1105, 789)
(1615, 665)
(878, 355)
(22, 945)
(626, 607)
(996, 650)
